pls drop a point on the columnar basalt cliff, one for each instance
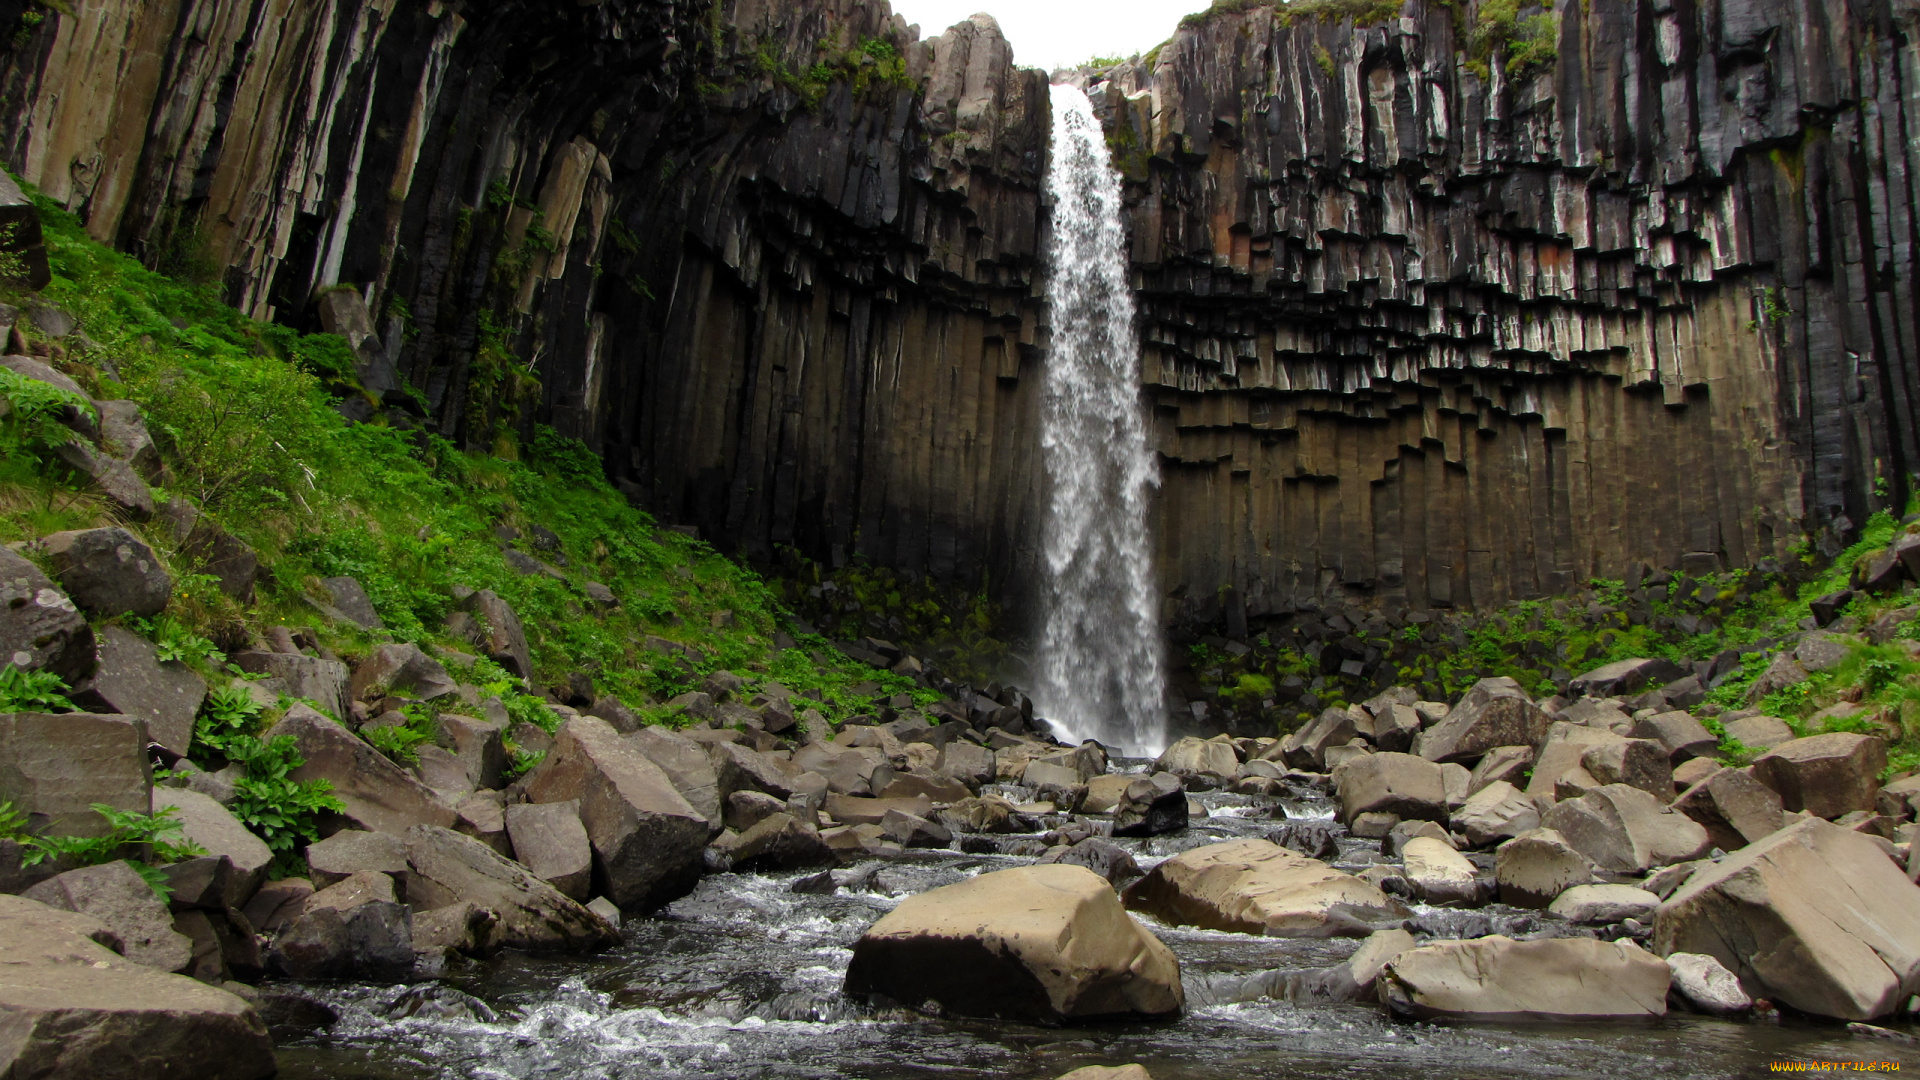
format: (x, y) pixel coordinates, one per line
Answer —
(1422, 327)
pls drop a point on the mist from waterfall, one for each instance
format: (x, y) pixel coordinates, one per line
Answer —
(1101, 668)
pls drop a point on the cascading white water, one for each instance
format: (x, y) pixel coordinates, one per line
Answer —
(1101, 668)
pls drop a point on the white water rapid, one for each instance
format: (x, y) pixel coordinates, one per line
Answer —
(1101, 668)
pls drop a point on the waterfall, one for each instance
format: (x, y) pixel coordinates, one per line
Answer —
(1100, 664)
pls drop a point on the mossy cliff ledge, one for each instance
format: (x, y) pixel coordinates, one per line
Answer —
(1445, 305)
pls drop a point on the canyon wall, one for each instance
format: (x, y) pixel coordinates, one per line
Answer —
(1422, 327)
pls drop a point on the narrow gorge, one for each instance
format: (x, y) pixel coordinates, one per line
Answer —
(663, 539)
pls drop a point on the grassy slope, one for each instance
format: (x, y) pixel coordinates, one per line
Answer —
(249, 434)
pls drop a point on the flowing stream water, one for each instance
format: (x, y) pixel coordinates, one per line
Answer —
(1100, 671)
(741, 980)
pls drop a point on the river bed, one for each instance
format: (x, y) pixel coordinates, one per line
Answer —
(741, 979)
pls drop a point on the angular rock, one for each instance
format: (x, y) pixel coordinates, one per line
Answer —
(347, 597)
(1625, 830)
(378, 795)
(40, 627)
(478, 744)
(738, 768)
(310, 678)
(1604, 904)
(109, 572)
(1108, 1072)
(1734, 807)
(1642, 763)
(354, 851)
(1151, 805)
(75, 1008)
(1705, 984)
(1395, 727)
(213, 827)
(1307, 748)
(1256, 887)
(1825, 775)
(781, 842)
(1035, 943)
(450, 869)
(482, 815)
(122, 900)
(1624, 677)
(1814, 916)
(1508, 763)
(1496, 812)
(647, 839)
(549, 840)
(1781, 673)
(967, 762)
(277, 903)
(1439, 875)
(1759, 733)
(497, 630)
(1560, 754)
(1207, 761)
(1823, 652)
(941, 790)
(53, 768)
(1693, 770)
(1103, 857)
(1400, 784)
(354, 928)
(1499, 979)
(911, 831)
(129, 680)
(854, 810)
(1679, 732)
(401, 669)
(1535, 867)
(1494, 712)
(849, 770)
(686, 765)
(113, 477)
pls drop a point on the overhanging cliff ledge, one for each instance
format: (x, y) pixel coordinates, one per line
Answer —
(1438, 310)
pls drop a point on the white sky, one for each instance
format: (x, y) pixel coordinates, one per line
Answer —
(1060, 33)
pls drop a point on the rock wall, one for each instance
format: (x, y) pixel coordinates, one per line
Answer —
(1426, 331)
(1421, 331)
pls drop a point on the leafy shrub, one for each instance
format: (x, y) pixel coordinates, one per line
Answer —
(228, 713)
(282, 811)
(32, 691)
(34, 421)
(156, 832)
(173, 640)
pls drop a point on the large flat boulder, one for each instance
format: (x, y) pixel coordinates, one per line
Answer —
(549, 840)
(1624, 677)
(1406, 786)
(1494, 712)
(1497, 978)
(1534, 868)
(128, 679)
(1045, 943)
(1495, 813)
(1257, 887)
(378, 795)
(1625, 830)
(1642, 763)
(74, 1007)
(54, 768)
(450, 868)
(1439, 874)
(1560, 754)
(355, 928)
(109, 572)
(648, 841)
(1679, 732)
(212, 826)
(1827, 775)
(1734, 807)
(687, 765)
(41, 629)
(1207, 760)
(121, 899)
(1815, 916)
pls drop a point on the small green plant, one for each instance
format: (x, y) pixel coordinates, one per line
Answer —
(32, 691)
(174, 641)
(1878, 674)
(13, 824)
(282, 811)
(228, 713)
(521, 761)
(399, 742)
(34, 423)
(156, 832)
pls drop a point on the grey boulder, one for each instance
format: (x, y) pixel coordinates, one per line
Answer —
(129, 679)
(40, 627)
(109, 572)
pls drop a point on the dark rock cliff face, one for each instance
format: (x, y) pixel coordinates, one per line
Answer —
(1415, 335)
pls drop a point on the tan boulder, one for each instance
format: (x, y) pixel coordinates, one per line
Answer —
(1535, 867)
(379, 796)
(1625, 830)
(1826, 775)
(450, 868)
(1043, 943)
(648, 841)
(1814, 916)
(1496, 812)
(1560, 754)
(1400, 784)
(1209, 760)
(1735, 808)
(1256, 887)
(1494, 712)
(1500, 979)
(1439, 874)
(1642, 763)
